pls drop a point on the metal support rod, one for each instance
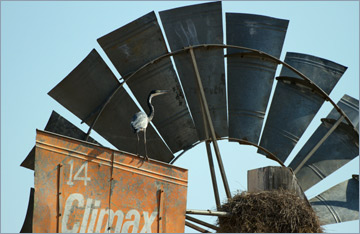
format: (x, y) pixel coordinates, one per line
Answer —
(58, 194)
(213, 176)
(198, 221)
(210, 158)
(195, 227)
(161, 210)
(209, 121)
(111, 190)
(208, 212)
(316, 147)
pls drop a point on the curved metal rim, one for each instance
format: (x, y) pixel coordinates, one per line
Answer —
(240, 141)
(269, 154)
(223, 46)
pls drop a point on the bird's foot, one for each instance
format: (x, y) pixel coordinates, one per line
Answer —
(146, 158)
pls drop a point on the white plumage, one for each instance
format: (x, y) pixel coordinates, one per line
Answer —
(140, 120)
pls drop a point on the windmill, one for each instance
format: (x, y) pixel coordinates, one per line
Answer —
(194, 35)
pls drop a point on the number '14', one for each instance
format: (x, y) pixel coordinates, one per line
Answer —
(84, 167)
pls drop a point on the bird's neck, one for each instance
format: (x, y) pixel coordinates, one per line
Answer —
(151, 107)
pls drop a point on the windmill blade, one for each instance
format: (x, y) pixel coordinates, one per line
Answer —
(250, 76)
(60, 125)
(295, 103)
(28, 222)
(191, 26)
(337, 150)
(131, 47)
(350, 106)
(87, 88)
(338, 204)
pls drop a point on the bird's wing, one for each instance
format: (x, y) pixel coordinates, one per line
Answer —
(139, 121)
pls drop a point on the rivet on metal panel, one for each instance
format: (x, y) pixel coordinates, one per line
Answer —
(58, 194)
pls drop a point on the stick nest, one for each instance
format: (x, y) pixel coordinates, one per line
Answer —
(277, 211)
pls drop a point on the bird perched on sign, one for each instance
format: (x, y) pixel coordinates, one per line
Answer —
(140, 120)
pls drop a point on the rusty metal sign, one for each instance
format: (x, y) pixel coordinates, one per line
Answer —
(136, 44)
(86, 89)
(339, 203)
(191, 26)
(60, 125)
(294, 103)
(250, 76)
(341, 146)
(82, 187)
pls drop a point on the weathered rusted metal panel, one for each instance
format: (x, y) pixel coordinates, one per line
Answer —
(337, 150)
(191, 26)
(86, 89)
(294, 104)
(60, 125)
(338, 204)
(82, 187)
(132, 46)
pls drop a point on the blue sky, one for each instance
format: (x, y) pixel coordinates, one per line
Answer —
(41, 42)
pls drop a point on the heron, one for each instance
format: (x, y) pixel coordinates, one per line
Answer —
(140, 120)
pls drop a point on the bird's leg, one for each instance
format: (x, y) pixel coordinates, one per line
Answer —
(137, 145)
(146, 156)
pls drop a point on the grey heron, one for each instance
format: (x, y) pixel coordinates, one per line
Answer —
(140, 120)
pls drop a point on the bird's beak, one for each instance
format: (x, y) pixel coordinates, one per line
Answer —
(160, 92)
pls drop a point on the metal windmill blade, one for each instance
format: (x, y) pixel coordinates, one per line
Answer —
(133, 46)
(191, 26)
(339, 203)
(28, 222)
(250, 75)
(60, 125)
(197, 105)
(331, 146)
(84, 92)
(295, 103)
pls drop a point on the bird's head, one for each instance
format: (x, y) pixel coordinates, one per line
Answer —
(157, 92)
